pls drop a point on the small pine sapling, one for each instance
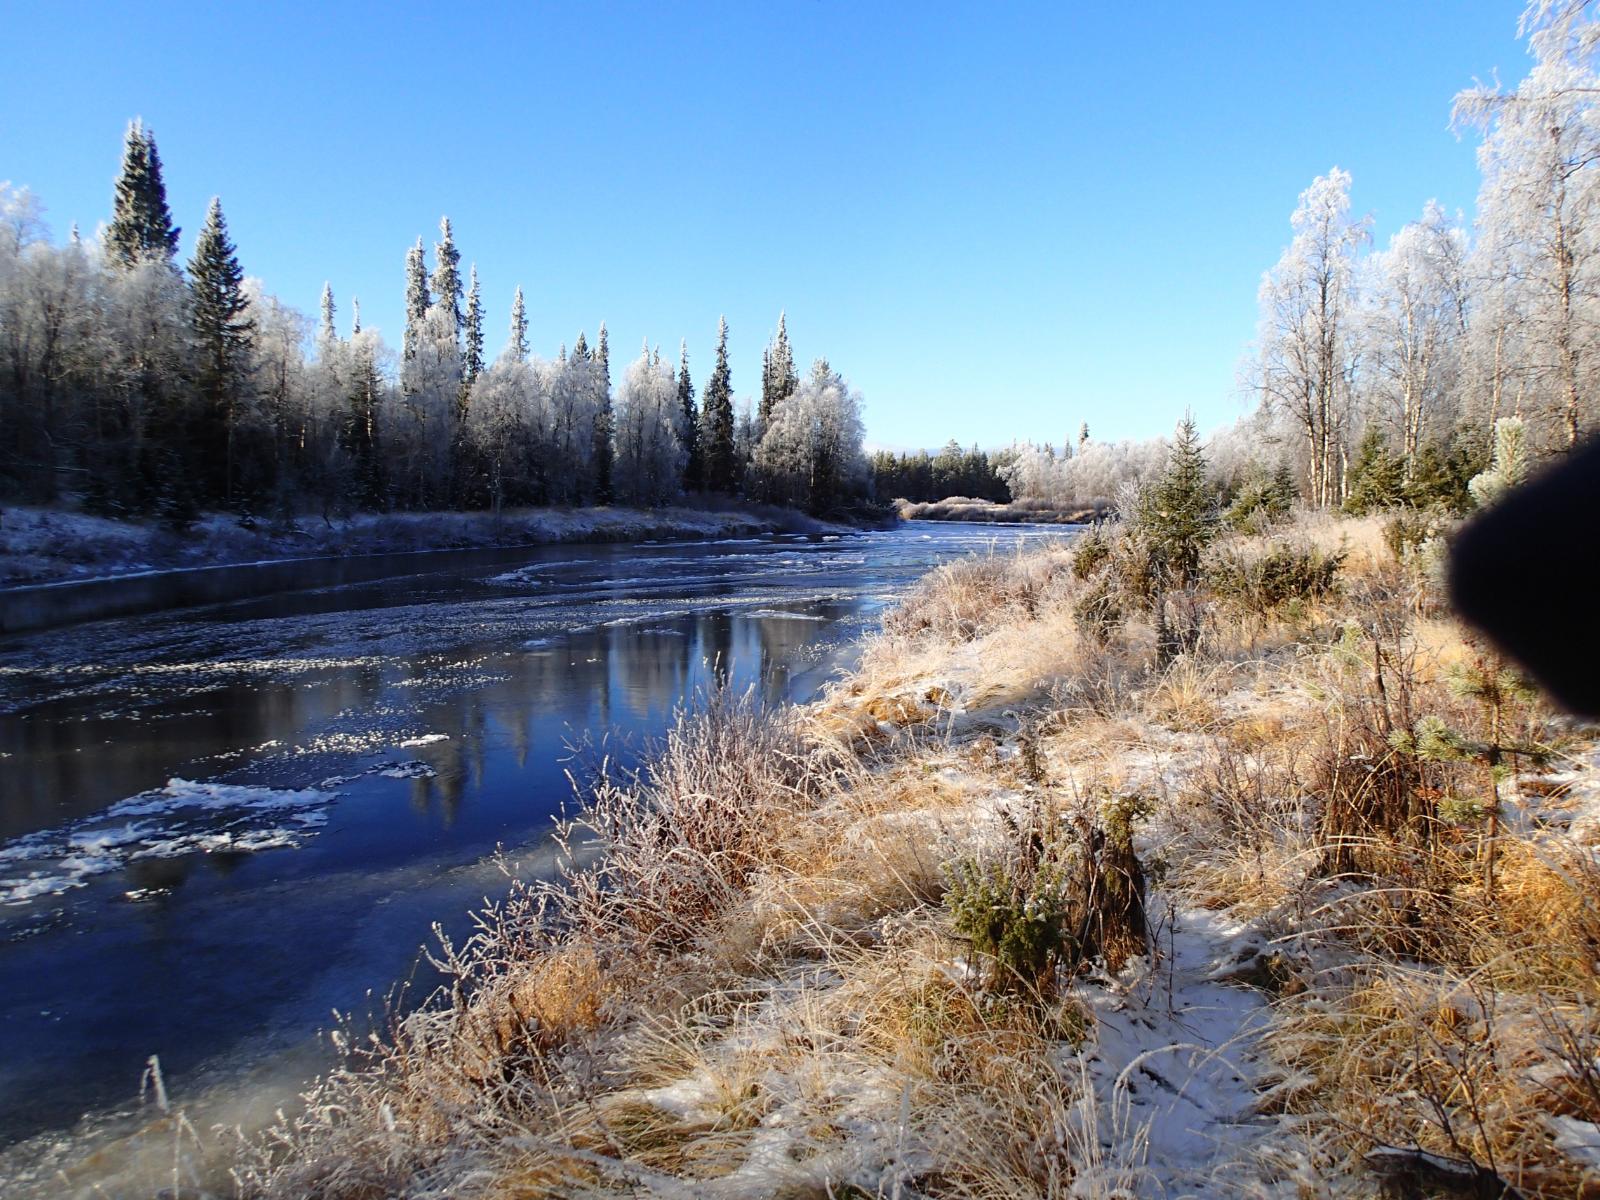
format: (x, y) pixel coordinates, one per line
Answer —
(1496, 690)
(1509, 465)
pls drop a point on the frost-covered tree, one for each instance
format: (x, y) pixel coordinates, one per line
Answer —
(604, 418)
(650, 454)
(716, 420)
(359, 430)
(417, 299)
(1306, 341)
(573, 404)
(500, 422)
(326, 332)
(517, 344)
(688, 423)
(472, 339)
(1539, 212)
(1416, 314)
(422, 429)
(50, 324)
(142, 452)
(447, 275)
(778, 378)
(222, 328)
(291, 402)
(810, 455)
(1092, 478)
(141, 227)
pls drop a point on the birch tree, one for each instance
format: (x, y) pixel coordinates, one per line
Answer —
(1306, 362)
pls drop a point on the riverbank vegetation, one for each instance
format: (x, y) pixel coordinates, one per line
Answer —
(1176, 858)
(987, 512)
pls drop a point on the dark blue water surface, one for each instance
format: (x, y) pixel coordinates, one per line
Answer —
(349, 759)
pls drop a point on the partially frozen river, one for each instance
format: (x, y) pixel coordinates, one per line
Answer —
(219, 825)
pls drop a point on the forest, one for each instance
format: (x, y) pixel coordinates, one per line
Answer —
(146, 387)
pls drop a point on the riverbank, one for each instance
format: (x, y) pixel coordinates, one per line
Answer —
(987, 512)
(1039, 901)
(44, 546)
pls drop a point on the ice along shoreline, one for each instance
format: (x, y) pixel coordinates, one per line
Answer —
(374, 547)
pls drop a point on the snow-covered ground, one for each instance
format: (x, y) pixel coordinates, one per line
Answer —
(42, 545)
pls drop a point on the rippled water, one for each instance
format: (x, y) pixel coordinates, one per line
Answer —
(216, 826)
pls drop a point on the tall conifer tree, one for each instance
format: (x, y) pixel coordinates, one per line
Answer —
(326, 333)
(692, 468)
(141, 227)
(447, 274)
(518, 343)
(778, 378)
(417, 300)
(472, 360)
(604, 420)
(716, 420)
(358, 435)
(222, 333)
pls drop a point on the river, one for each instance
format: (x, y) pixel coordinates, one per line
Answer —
(220, 825)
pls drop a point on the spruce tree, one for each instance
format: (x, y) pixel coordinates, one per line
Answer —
(358, 434)
(472, 361)
(778, 378)
(417, 299)
(222, 335)
(326, 334)
(691, 422)
(141, 227)
(1378, 478)
(580, 348)
(355, 316)
(716, 418)
(604, 419)
(1177, 512)
(447, 274)
(518, 342)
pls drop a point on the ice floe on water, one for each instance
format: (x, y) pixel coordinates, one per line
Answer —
(184, 817)
(412, 769)
(426, 739)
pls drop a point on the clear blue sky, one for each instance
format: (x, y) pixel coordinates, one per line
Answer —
(997, 220)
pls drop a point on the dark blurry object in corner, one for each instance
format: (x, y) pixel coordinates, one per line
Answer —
(1526, 572)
